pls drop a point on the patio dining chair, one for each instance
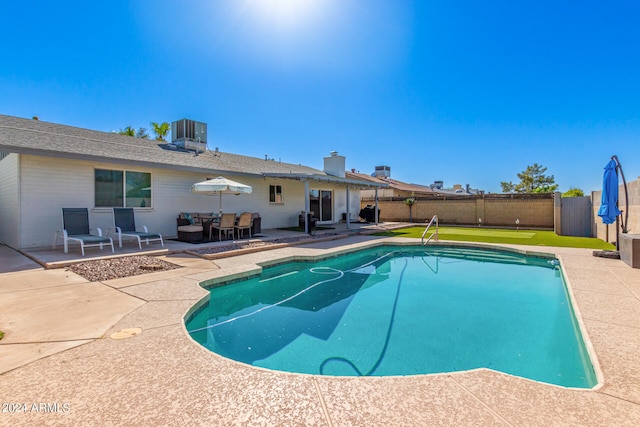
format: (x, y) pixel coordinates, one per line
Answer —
(75, 227)
(125, 225)
(244, 223)
(227, 223)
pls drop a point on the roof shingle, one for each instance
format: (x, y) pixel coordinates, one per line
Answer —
(42, 138)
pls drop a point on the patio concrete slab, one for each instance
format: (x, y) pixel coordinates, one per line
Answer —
(37, 279)
(15, 355)
(56, 258)
(599, 280)
(63, 313)
(124, 282)
(630, 277)
(232, 271)
(617, 310)
(418, 400)
(179, 288)
(159, 378)
(190, 261)
(529, 403)
(12, 260)
(154, 314)
(619, 358)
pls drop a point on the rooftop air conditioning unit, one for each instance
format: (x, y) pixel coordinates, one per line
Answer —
(190, 135)
(382, 171)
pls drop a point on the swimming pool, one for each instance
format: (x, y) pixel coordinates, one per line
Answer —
(401, 310)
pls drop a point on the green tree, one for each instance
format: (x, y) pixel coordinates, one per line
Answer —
(161, 130)
(129, 131)
(142, 133)
(409, 202)
(507, 187)
(532, 180)
(573, 192)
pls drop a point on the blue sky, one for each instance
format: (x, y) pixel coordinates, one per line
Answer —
(466, 92)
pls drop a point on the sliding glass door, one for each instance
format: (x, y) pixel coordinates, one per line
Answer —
(321, 204)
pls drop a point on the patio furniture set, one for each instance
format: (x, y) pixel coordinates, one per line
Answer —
(196, 227)
(191, 228)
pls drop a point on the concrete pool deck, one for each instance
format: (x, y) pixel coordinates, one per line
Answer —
(61, 367)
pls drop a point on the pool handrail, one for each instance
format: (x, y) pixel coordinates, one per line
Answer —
(434, 218)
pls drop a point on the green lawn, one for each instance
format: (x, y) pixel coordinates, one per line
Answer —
(496, 235)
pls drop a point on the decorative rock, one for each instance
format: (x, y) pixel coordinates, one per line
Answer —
(151, 267)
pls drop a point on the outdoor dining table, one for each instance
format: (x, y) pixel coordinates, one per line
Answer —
(208, 218)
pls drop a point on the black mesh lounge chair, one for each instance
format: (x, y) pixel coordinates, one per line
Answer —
(75, 227)
(125, 222)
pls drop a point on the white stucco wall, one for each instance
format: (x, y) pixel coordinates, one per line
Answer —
(49, 184)
(340, 202)
(9, 200)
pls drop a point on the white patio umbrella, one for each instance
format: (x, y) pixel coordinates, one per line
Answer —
(220, 186)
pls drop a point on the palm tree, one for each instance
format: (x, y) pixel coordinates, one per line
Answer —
(409, 202)
(129, 131)
(161, 130)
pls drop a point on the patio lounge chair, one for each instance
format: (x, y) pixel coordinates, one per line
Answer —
(244, 223)
(227, 223)
(75, 227)
(125, 225)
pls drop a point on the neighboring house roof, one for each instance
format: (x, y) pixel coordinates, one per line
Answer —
(392, 183)
(363, 176)
(36, 137)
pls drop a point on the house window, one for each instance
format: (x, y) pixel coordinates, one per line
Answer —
(115, 188)
(275, 194)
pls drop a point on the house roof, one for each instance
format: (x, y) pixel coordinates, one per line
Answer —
(346, 181)
(36, 137)
(392, 183)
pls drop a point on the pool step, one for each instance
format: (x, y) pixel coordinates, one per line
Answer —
(481, 255)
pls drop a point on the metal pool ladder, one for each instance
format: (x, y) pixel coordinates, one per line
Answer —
(435, 218)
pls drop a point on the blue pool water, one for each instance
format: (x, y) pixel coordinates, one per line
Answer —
(401, 310)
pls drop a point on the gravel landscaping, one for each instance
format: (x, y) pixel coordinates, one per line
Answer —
(115, 268)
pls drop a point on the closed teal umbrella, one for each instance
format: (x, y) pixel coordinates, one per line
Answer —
(609, 207)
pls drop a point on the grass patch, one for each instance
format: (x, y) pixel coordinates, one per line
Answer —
(496, 235)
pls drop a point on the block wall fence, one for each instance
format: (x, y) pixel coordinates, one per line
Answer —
(501, 210)
(498, 210)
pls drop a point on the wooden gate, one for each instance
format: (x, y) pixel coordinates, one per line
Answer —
(576, 216)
